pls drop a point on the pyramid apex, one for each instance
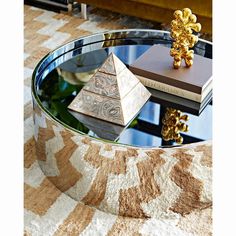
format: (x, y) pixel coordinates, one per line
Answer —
(112, 65)
(110, 55)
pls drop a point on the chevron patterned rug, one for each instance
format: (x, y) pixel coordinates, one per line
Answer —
(48, 211)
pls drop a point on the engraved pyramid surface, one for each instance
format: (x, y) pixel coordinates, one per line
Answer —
(113, 79)
(98, 106)
(103, 84)
(113, 93)
(112, 65)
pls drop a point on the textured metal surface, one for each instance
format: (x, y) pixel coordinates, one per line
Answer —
(98, 106)
(113, 94)
(113, 110)
(103, 84)
(112, 65)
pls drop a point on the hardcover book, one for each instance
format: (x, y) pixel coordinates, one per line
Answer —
(155, 70)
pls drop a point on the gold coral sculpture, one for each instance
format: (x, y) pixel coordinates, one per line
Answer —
(173, 125)
(182, 33)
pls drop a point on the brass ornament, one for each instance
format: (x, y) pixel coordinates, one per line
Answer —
(182, 33)
(173, 125)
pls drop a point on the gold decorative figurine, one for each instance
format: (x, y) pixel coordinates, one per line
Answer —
(182, 33)
(172, 125)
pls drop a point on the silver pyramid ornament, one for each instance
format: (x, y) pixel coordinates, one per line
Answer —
(113, 93)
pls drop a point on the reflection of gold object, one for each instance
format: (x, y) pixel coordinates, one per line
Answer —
(182, 33)
(114, 39)
(172, 125)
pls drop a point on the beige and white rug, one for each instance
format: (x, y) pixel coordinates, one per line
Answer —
(48, 211)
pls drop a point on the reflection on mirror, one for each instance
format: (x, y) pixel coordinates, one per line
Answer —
(173, 124)
(57, 90)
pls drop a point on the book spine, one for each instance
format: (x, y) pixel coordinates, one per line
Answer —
(169, 89)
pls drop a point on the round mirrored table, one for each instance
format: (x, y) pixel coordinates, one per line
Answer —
(60, 76)
(127, 171)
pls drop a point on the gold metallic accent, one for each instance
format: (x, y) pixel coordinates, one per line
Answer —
(172, 125)
(182, 33)
(112, 39)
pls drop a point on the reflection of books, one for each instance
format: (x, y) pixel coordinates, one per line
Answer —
(154, 69)
(186, 105)
(101, 128)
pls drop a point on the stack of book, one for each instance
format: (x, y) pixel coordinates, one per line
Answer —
(155, 70)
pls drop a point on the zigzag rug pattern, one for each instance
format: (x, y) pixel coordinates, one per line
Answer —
(80, 186)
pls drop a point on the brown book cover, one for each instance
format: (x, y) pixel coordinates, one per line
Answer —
(157, 64)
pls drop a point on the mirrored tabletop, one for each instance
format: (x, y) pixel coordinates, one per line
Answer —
(60, 76)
